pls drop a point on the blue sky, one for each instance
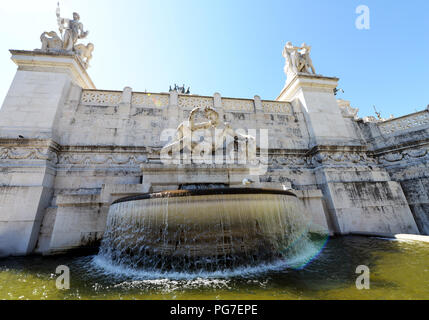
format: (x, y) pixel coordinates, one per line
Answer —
(234, 46)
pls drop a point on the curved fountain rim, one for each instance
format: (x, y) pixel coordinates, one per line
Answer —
(204, 192)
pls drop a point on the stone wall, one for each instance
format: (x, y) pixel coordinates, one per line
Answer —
(401, 146)
(59, 177)
(109, 118)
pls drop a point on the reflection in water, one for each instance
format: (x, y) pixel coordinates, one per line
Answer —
(399, 270)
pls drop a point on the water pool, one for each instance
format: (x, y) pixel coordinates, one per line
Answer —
(399, 270)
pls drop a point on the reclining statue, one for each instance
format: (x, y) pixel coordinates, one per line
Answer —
(184, 133)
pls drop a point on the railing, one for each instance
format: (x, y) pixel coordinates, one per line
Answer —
(190, 102)
(411, 121)
(149, 100)
(187, 103)
(238, 105)
(277, 107)
(101, 98)
(113, 98)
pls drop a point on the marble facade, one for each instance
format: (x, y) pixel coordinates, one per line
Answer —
(68, 150)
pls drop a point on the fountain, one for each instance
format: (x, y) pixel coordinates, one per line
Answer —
(207, 227)
(203, 230)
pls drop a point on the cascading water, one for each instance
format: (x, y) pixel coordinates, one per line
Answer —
(204, 230)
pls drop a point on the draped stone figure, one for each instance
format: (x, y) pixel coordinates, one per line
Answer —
(305, 54)
(290, 54)
(298, 60)
(73, 30)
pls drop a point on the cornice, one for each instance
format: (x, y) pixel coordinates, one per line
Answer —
(55, 62)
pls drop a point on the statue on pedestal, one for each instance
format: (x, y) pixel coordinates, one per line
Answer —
(298, 60)
(71, 30)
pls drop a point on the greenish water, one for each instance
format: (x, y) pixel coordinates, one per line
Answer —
(399, 270)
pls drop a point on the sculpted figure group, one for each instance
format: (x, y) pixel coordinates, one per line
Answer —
(186, 134)
(298, 59)
(71, 31)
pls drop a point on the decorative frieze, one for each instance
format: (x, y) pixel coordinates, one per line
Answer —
(404, 155)
(93, 159)
(341, 158)
(30, 153)
(288, 160)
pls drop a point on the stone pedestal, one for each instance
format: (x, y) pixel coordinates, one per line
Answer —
(360, 197)
(314, 94)
(38, 91)
(28, 148)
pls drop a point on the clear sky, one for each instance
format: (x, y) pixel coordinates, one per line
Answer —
(234, 47)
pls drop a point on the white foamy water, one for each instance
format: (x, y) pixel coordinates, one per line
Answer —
(211, 236)
(158, 277)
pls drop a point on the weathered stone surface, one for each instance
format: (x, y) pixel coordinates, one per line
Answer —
(81, 149)
(21, 213)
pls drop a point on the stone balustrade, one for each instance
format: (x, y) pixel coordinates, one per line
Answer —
(411, 121)
(101, 98)
(185, 102)
(277, 107)
(191, 102)
(149, 100)
(238, 105)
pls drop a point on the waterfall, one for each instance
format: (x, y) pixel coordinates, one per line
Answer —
(208, 232)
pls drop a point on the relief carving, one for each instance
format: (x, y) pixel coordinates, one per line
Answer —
(13, 153)
(394, 157)
(340, 158)
(101, 159)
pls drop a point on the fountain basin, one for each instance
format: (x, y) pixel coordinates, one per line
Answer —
(203, 229)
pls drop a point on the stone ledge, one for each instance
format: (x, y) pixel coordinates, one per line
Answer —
(112, 192)
(158, 174)
(306, 80)
(77, 200)
(53, 62)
